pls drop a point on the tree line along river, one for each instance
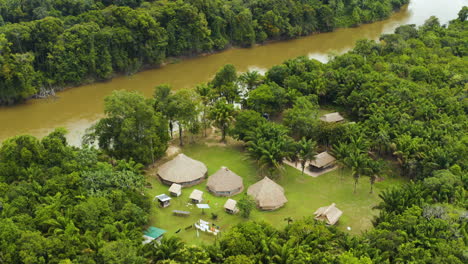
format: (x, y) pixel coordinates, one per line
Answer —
(77, 108)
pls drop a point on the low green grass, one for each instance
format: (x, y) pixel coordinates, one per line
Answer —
(304, 193)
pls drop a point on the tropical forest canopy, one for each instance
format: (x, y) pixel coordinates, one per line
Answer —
(46, 45)
(406, 95)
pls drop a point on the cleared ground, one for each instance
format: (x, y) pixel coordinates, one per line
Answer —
(305, 195)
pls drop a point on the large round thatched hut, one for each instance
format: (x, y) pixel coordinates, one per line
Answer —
(268, 194)
(182, 170)
(224, 182)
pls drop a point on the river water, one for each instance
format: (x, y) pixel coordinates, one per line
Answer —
(77, 108)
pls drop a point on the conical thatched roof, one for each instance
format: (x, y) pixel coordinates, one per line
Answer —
(268, 194)
(330, 214)
(323, 159)
(332, 117)
(224, 180)
(182, 169)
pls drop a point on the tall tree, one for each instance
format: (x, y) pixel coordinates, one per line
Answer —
(131, 128)
(306, 151)
(222, 115)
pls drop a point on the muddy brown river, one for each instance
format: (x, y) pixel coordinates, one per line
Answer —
(77, 108)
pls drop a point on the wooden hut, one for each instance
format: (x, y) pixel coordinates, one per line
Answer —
(332, 118)
(175, 190)
(322, 161)
(163, 199)
(231, 206)
(268, 194)
(224, 182)
(330, 214)
(196, 196)
(182, 170)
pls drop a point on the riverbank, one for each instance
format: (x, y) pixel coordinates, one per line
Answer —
(76, 109)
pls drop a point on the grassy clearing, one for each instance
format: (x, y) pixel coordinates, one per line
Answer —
(305, 195)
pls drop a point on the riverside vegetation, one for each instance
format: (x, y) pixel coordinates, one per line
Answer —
(406, 94)
(47, 45)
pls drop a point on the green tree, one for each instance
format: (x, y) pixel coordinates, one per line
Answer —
(306, 151)
(246, 204)
(222, 115)
(185, 105)
(132, 129)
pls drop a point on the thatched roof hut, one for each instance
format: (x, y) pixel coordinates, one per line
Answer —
(329, 214)
(332, 118)
(196, 196)
(268, 194)
(323, 160)
(225, 182)
(175, 189)
(231, 206)
(182, 170)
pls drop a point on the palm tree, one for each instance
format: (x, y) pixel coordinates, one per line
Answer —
(222, 114)
(251, 79)
(168, 248)
(306, 151)
(358, 163)
(289, 220)
(341, 152)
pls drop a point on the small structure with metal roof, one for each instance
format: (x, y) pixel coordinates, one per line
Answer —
(153, 233)
(196, 196)
(163, 199)
(175, 190)
(322, 161)
(225, 182)
(182, 170)
(330, 214)
(332, 118)
(268, 194)
(231, 206)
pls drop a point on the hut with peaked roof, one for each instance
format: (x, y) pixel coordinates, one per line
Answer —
(182, 170)
(196, 196)
(267, 194)
(330, 214)
(231, 206)
(225, 182)
(175, 190)
(332, 118)
(322, 161)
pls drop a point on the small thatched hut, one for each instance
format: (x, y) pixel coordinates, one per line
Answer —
(196, 196)
(224, 182)
(182, 170)
(268, 194)
(231, 206)
(322, 161)
(332, 118)
(175, 190)
(329, 214)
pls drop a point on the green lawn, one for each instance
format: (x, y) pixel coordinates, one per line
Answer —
(305, 195)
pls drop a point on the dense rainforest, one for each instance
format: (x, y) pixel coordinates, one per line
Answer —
(406, 95)
(47, 45)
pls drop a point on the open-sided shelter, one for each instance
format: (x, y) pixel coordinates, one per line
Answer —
(332, 118)
(330, 214)
(225, 182)
(322, 161)
(182, 170)
(268, 194)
